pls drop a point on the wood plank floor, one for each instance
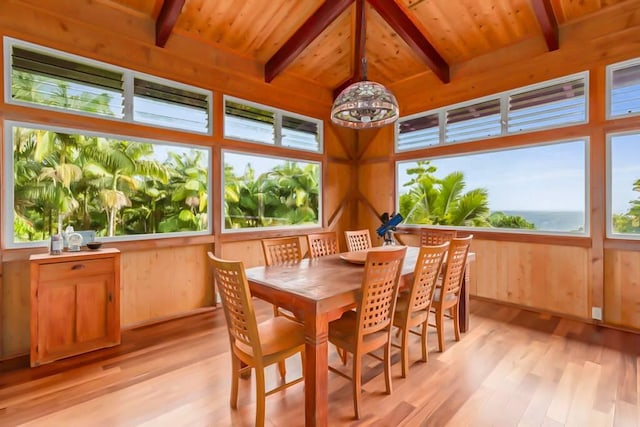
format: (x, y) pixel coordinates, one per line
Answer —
(513, 368)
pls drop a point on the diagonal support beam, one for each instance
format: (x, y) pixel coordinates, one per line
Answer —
(311, 29)
(548, 22)
(406, 29)
(167, 19)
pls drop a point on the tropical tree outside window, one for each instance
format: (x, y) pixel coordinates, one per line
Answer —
(262, 191)
(538, 188)
(118, 187)
(624, 185)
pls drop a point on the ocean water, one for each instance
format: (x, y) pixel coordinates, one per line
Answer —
(566, 221)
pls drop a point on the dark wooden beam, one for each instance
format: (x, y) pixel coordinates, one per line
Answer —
(401, 24)
(311, 29)
(167, 18)
(548, 23)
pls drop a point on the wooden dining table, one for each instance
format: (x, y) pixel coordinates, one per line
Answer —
(319, 290)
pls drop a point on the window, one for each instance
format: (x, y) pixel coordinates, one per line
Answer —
(247, 121)
(550, 104)
(261, 191)
(475, 121)
(623, 88)
(624, 185)
(46, 78)
(417, 132)
(117, 186)
(539, 188)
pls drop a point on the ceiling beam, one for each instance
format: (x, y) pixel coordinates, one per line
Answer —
(311, 29)
(167, 19)
(548, 22)
(401, 24)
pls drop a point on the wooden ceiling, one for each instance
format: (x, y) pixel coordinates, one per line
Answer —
(319, 41)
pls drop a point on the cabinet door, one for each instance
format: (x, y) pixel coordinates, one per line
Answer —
(75, 316)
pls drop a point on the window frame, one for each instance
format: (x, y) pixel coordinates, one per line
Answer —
(609, 233)
(277, 129)
(8, 239)
(504, 113)
(228, 231)
(128, 95)
(587, 200)
(609, 88)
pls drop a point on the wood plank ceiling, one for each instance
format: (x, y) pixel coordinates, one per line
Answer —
(318, 40)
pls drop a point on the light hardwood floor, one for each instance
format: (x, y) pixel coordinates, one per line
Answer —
(513, 368)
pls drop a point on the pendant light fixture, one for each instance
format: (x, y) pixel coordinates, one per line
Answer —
(364, 104)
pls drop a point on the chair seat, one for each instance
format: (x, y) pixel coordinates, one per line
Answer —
(276, 335)
(438, 292)
(401, 312)
(341, 333)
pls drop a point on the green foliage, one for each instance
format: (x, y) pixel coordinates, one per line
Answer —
(286, 195)
(112, 186)
(629, 222)
(444, 201)
(500, 220)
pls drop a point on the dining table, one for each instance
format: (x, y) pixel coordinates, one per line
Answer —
(319, 290)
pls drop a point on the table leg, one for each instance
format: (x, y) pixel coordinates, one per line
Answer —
(463, 309)
(316, 370)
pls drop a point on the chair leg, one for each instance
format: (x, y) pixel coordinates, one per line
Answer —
(387, 366)
(344, 355)
(456, 321)
(404, 350)
(235, 377)
(440, 328)
(282, 367)
(260, 396)
(423, 336)
(356, 381)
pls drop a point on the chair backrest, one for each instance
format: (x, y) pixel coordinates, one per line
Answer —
(235, 295)
(322, 244)
(455, 265)
(433, 237)
(426, 274)
(357, 240)
(281, 250)
(379, 291)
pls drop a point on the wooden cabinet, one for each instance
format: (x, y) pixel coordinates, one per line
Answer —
(75, 303)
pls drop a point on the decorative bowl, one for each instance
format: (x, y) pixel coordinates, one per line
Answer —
(94, 245)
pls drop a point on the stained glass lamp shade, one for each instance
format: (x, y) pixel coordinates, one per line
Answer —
(365, 104)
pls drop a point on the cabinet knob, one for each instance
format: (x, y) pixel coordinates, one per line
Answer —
(78, 267)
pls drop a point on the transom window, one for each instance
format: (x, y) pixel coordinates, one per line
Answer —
(623, 89)
(248, 121)
(46, 78)
(554, 103)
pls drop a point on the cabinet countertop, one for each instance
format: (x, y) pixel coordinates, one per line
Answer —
(70, 256)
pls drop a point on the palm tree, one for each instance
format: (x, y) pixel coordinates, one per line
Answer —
(431, 200)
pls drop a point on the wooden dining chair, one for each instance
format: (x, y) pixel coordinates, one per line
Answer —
(447, 295)
(413, 307)
(322, 244)
(368, 327)
(277, 251)
(357, 240)
(433, 237)
(281, 250)
(257, 345)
